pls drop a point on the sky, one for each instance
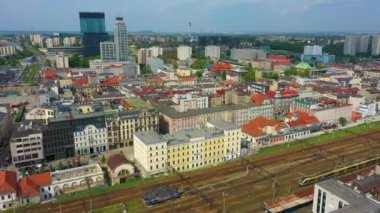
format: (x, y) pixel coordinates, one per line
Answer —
(206, 16)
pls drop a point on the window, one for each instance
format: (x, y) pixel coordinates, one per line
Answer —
(340, 205)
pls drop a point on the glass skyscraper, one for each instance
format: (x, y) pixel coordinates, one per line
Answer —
(92, 25)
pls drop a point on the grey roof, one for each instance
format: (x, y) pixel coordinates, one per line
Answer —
(175, 114)
(224, 125)
(150, 137)
(183, 136)
(24, 133)
(358, 202)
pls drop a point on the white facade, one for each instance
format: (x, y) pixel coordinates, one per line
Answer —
(7, 50)
(121, 40)
(91, 140)
(350, 45)
(212, 51)
(47, 193)
(108, 51)
(367, 109)
(376, 45)
(363, 41)
(56, 42)
(326, 201)
(8, 200)
(312, 50)
(155, 51)
(76, 179)
(49, 43)
(66, 42)
(189, 101)
(61, 60)
(37, 39)
(27, 148)
(184, 53)
(151, 156)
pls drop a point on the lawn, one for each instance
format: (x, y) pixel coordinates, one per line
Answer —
(105, 188)
(30, 73)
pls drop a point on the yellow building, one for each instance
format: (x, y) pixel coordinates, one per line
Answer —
(183, 72)
(85, 109)
(65, 82)
(187, 149)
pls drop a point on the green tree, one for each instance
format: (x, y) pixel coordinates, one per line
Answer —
(343, 121)
(145, 69)
(74, 60)
(224, 75)
(251, 73)
(103, 159)
(199, 74)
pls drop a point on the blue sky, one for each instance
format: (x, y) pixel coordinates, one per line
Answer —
(232, 16)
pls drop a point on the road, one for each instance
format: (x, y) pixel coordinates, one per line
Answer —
(247, 183)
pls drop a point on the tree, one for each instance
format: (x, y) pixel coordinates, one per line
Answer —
(251, 73)
(103, 159)
(74, 60)
(145, 69)
(199, 74)
(224, 75)
(343, 121)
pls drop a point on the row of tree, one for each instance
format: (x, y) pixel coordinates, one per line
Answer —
(293, 71)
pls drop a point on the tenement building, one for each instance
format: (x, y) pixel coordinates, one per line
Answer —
(187, 149)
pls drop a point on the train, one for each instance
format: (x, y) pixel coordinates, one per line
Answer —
(161, 194)
(337, 172)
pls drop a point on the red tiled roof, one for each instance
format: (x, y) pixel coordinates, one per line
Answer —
(8, 182)
(49, 74)
(30, 186)
(187, 78)
(303, 119)
(284, 93)
(221, 66)
(80, 81)
(258, 98)
(116, 160)
(254, 127)
(110, 81)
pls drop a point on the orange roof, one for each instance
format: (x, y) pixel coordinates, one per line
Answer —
(187, 78)
(80, 81)
(30, 186)
(111, 80)
(258, 98)
(8, 182)
(302, 119)
(254, 127)
(220, 66)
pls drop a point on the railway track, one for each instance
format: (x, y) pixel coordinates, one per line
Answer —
(280, 164)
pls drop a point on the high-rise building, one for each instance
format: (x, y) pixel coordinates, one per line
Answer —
(350, 45)
(93, 27)
(56, 41)
(61, 60)
(142, 55)
(121, 40)
(184, 53)
(212, 51)
(363, 41)
(73, 40)
(108, 51)
(376, 45)
(312, 50)
(37, 39)
(155, 51)
(49, 43)
(247, 54)
(66, 42)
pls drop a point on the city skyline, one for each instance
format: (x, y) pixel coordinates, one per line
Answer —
(239, 16)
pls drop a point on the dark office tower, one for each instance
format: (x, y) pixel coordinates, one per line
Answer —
(93, 28)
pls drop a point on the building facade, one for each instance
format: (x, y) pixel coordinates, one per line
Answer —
(121, 40)
(350, 45)
(27, 147)
(212, 51)
(187, 149)
(184, 53)
(376, 45)
(121, 126)
(108, 51)
(93, 28)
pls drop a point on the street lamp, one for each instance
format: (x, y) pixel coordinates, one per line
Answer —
(224, 195)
